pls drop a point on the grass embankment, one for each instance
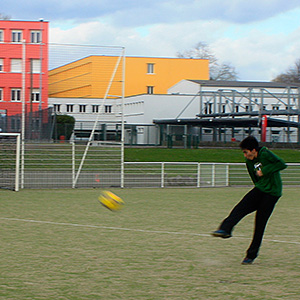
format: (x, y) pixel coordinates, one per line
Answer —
(222, 155)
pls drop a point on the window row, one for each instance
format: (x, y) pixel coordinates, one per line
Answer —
(81, 108)
(16, 36)
(208, 108)
(16, 123)
(16, 65)
(15, 95)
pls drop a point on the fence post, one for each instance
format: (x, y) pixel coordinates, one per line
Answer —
(17, 176)
(162, 184)
(73, 164)
(122, 164)
(198, 175)
(227, 174)
(213, 173)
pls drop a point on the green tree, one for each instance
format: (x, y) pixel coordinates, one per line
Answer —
(64, 126)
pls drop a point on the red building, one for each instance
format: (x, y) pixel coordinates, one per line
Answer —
(23, 47)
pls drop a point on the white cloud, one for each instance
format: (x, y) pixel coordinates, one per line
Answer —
(256, 54)
(132, 13)
(259, 38)
(259, 56)
(95, 33)
(157, 40)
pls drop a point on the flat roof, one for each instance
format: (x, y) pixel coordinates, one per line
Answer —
(258, 84)
(230, 122)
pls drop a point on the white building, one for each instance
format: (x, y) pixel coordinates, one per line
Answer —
(139, 113)
(193, 111)
(235, 107)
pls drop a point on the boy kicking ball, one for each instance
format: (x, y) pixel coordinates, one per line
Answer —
(263, 167)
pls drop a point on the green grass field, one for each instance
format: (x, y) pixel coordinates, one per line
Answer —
(62, 244)
(59, 155)
(222, 155)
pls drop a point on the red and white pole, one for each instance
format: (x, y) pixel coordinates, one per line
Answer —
(264, 124)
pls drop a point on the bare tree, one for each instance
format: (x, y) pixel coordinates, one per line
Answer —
(223, 71)
(200, 50)
(292, 75)
(4, 17)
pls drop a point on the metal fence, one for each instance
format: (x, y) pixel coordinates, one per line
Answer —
(57, 165)
(38, 124)
(62, 165)
(189, 174)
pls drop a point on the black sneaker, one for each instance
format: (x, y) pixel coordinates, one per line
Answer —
(221, 233)
(247, 261)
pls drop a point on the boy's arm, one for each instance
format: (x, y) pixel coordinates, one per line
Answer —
(275, 164)
(251, 173)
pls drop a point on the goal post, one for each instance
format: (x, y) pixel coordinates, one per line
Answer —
(114, 89)
(10, 145)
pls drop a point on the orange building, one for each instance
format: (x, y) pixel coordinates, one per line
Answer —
(89, 77)
(23, 43)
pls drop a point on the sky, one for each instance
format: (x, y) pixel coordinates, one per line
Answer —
(261, 39)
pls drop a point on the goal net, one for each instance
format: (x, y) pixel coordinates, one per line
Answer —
(9, 160)
(97, 164)
(89, 81)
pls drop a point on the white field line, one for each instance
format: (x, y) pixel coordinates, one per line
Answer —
(133, 229)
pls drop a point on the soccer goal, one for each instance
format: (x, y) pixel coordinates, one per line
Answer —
(97, 164)
(104, 84)
(10, 161)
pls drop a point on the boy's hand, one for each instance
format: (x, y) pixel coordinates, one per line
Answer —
(259, 173)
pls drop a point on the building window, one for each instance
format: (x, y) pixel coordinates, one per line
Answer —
(56, 107)
(35, 124)
(1, 94)
(35, 36)
(95, 108)
(16, 36)
(1, 64)
(16, 65)
(150, 68)
(15, 95)
(1, 36)
(70, 108)
(13, 124)
(82, 108)
(150, 89)
(107, 109)
(248, 108)
(18, 124)
(35, 95)
(208, 108)
(36, 66)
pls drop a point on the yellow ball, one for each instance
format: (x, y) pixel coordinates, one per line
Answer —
(111, 201)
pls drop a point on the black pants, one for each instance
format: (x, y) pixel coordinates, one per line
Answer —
(254, 200)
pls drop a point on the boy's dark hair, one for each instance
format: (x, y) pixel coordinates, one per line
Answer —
(249, 143)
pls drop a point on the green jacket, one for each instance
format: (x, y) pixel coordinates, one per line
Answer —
(270, 165)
